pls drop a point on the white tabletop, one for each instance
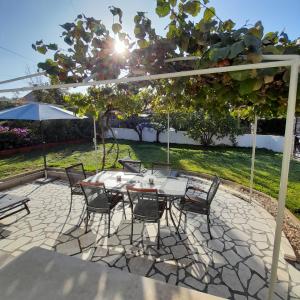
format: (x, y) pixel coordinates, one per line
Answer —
(171, 186)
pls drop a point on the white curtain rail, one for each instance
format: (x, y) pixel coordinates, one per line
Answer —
(261, 65)
(23, 77)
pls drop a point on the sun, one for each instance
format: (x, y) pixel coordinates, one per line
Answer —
(119, 46)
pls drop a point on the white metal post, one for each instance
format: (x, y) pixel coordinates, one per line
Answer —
(168, 154)
(95, 144)
(254, 131)
(287, 148)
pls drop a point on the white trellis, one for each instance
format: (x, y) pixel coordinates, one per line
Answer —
(292, 61)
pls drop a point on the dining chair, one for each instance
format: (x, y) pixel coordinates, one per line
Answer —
(130, 165)
(146, 206)
(75, 174)
(99, 200)
(194, 202)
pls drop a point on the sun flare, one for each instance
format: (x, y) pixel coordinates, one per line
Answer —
(119, 46)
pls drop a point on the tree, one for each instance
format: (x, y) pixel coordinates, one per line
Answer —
(205, 127)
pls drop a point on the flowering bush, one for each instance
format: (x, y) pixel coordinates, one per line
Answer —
(13, 137)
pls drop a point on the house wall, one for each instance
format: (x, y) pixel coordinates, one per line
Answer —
(270, 142)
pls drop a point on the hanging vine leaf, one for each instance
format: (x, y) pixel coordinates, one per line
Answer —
(116, 11)
(192, 7)
(162, 8)
(209, 13)
(116, 27)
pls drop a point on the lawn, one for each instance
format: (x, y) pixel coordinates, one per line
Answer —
(228, 163)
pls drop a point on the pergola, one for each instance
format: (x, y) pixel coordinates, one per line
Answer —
(269, 61)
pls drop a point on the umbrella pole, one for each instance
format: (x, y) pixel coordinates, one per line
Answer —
(168, 150)
(44, 151)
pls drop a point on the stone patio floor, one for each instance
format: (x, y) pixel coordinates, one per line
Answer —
(235, 264)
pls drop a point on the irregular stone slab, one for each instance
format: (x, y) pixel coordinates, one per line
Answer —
(68, 248)
(197, 270)
(243, 251)
(166, 268)
(232, 257)
(179, 251)
(140, 265)
(294, 273)
(87, 239)
(236, 234)
(216, 245)
(244, 274)
(219, 260)
(256, 264)
(256, 283)
(194, 283)
(231, 279)
(169, 241)
(218, 290)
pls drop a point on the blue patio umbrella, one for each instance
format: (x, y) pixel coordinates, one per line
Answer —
(38, 112)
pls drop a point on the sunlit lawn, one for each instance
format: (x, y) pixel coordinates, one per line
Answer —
(228, 163)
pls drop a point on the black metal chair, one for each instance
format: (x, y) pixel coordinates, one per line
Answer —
(130, 165)
(75, 173)
(161, 169)
(99, 200)
(146, 206)
(194, 202)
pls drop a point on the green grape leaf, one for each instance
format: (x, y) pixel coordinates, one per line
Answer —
(163, 8)
(192, 7)
(209, 13)
(236, 49)
(116, 27)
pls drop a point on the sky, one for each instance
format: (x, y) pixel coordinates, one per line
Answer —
(23, 22)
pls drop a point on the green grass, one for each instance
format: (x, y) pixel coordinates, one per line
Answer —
(228, 163)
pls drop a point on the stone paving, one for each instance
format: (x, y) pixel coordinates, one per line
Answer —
(235, 264)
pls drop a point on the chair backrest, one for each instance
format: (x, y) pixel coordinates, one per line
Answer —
(75, 174)
(213, 189)
(131, 165)
(163, 169)
(145, 200)
(95, 191)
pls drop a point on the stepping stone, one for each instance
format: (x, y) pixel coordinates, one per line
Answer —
(69, 248)
(140, 265)
(218, 290)
(179, 251)
(231, 279)
(256, 283)
(232, 257)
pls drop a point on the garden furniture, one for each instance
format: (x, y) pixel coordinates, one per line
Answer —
(75, 174)
(99, 200)
(146, 206)
(131, 165)
(195, 202)
(12, 204)
(161, 169)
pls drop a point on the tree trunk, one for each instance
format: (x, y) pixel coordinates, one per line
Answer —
(157, 136)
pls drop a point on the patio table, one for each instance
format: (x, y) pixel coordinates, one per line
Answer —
(166, 186)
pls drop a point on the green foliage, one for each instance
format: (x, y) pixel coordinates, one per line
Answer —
(194, 29)
(205, 127)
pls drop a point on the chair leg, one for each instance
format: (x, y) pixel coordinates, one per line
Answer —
(26, 207)
(131, 235)
(208, 226)
(167, 210)
(86, 221)
(108, 224)
(158, 233)
(71, 202)
(124, 208)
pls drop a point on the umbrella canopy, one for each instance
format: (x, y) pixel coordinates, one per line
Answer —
(37, 112)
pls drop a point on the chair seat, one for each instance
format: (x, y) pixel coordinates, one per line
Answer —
(99, 204)
(194, 204)
(147, 210)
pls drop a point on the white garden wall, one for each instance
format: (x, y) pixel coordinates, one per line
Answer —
(271, 142)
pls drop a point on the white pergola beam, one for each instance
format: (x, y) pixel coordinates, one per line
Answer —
(284, 177)
(23, 77)
(261, 65)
